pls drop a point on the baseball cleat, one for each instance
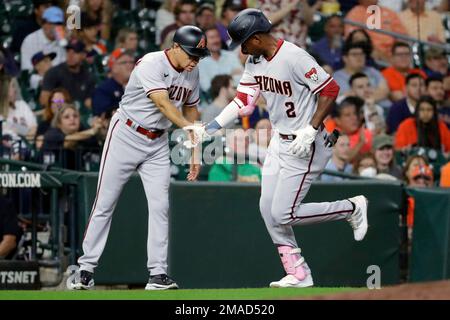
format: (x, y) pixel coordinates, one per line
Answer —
(291, 281)
(161, 282)
(358, 219)
(83, 281)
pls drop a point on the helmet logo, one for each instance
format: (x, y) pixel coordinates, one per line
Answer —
(202, 43)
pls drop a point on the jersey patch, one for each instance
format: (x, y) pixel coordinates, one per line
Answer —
(312, 74)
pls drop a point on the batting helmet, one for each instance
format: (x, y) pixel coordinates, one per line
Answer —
(245, 24)
(192, 40)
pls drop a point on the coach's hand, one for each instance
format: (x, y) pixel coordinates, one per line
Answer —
(197, 134)
(301, 145)
(194, 171)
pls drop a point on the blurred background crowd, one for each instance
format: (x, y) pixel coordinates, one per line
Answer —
(60, 86)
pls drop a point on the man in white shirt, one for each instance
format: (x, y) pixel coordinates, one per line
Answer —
(44, 39)
(220, 61)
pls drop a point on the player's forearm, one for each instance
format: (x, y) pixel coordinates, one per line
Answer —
(228, 115)
(162, 102)
(191, 113)
(324, 107)
(173, 114)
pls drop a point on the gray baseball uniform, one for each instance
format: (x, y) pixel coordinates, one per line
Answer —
(289, 82)
(127, 150)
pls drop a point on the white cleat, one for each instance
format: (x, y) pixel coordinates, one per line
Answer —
(291, 281)
(358, 219)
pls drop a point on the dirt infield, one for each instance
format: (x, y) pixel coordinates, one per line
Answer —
(439, 290)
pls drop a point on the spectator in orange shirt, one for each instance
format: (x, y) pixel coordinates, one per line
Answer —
(395, 75)
(424, 129)
(348, 121)
(389, 20)
(417, 174)
(445, 176)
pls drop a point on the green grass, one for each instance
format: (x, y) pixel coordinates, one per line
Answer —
(193, 294)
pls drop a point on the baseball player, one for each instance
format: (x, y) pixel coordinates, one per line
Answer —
(299, 95)
(161, 84)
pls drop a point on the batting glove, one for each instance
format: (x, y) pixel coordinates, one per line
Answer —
(251, 103)
(301, 145)
(199, 135)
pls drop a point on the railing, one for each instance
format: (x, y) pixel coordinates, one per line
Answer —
(47, 204)
(444, 46)
(416, 43)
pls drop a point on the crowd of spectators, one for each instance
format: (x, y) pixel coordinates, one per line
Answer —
(393, 103)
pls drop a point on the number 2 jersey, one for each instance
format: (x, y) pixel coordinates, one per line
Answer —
(289, 82)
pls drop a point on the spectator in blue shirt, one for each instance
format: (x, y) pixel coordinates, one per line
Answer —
(354, 58)
(340, 160)
(405, 108)
(107, 95)
(329, 47)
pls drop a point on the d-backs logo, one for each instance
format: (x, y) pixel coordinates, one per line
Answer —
(202, 43)
(312, 74)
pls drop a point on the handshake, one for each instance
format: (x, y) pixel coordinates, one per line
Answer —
(201, 132)
(197, 134)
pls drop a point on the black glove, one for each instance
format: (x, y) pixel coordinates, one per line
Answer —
(331, 139)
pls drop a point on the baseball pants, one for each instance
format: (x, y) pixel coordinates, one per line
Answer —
(126, 151)
(286, 179)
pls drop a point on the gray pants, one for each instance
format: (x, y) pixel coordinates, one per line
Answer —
(126, 151)
(286, 180)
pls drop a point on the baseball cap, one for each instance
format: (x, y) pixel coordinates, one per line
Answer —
(76, 45)
(433, 53)
(116, 54)
(205, 6)
(53, 15)
(422, 171)
(382, 140)
(39, 56)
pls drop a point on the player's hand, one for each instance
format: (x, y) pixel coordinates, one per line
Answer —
(301, 145)
(251, 104)
(194, 171)
(197, 134)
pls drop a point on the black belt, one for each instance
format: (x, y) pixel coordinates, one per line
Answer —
(293, 136)
(151, 134)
